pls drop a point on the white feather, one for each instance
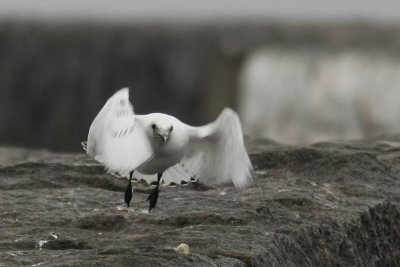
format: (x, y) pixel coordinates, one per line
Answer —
(116, 139)
(213, 154)
(216, 152)
(173, 175)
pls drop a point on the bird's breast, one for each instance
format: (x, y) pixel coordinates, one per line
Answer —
(166, 155)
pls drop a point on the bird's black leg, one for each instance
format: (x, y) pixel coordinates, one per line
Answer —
(152, 198)
(128, 190)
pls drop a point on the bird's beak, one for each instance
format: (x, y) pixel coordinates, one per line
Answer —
(162, 138)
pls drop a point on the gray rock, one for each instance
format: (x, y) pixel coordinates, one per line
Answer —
(329, 204)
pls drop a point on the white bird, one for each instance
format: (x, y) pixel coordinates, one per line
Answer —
(159, 147)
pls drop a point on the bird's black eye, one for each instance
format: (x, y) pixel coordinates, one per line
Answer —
(170, 129)
(153, 126)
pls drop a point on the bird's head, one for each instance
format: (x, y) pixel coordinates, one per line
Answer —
(161, 130)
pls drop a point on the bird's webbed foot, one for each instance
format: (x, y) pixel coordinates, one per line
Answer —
(128, 191)
(152, 198)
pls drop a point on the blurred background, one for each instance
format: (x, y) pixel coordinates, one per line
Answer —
(297, 72)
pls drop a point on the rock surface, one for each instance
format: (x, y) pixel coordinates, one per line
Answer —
(329, 204)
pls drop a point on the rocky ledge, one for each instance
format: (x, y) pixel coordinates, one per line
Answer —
(328, 204)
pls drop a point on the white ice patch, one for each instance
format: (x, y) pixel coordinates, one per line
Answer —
(38, 264)
(41, 243)
(124, 208)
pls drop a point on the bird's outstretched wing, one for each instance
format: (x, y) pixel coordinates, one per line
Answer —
(116, 139)
(217, 154)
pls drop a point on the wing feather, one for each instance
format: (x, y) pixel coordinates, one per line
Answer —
(217, 154)
(116, 139)
(176, 174)
(173, 175)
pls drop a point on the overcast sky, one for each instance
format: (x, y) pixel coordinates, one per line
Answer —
(387, 11)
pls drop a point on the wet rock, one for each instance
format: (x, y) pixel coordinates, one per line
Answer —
(190, 219)
(329, 204)
(101, 222)
(113, 250)
(64, 243)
